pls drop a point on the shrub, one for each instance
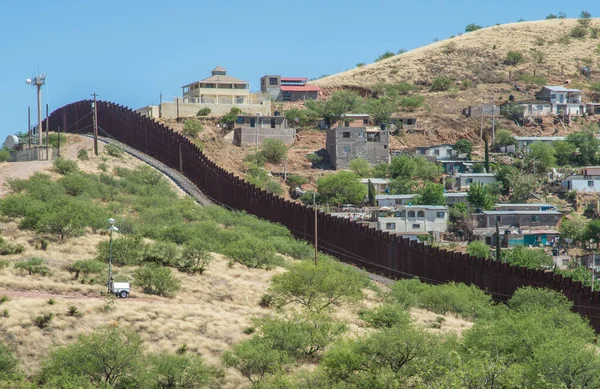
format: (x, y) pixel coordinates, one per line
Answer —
(295, 180)
(180, 371)
(82, 155)
(158, 280)
(584, 19)
(469, 302)
(8, 363)
(43, 321)
(594, 32)
(86, 267)
(3, 264)
(75, 183)
(194, 259)
(192, 128)
(10, 249)
(360, 64)
(103, 166)
(513, 58)
(529, 298)
(253, 252)
(5, 313)
(441, 83)
(53, 139)
(274, 150)
(314, 159)
(162, 253)
(410, 103)
(472, 27)
(4, 299)
(254, 359)
(113, 150)
(578, 32)
(386, 316)
(478, 249)
(33, 266)
(126, 250)
(4, 155)
(203, 111)
(51, 301)
(64, 166)
(74, 312)
(386, 55)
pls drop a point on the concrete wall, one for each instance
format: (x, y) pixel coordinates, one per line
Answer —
(254, 136)
(429, 223)
(581, 184)
(169, 110)
(342, 149)
(517, 220)
(463, 182)
(33, 154)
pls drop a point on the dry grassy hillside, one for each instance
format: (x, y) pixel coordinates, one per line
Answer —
(479, 56)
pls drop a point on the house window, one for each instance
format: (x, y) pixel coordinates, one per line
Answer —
(416, 226)
(449, 152)
(591, 184)
(346, 149)
(239, 120)
(421, 214)
(272, 123)
(498, 219)
(346, 124)
(360, 134)
(346, 134)
(440, 215)
(535, 219)
(272, 81)
(469, 181)
(287, 96)
(366, 122)
(411, 213)
(553, 97)
(436, 152)
(390, 226)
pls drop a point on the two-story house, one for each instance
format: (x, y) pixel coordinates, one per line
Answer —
(588, 180)
(564, 101)
(463, 181)
(388, 200)
(412, 219)
(251, 130)
(289, 88)
(344, 144)
(437, 152)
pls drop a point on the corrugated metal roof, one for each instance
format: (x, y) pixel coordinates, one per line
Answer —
(541, 138)
(430, 207)
(380, 181)
(557, 88)
(475, 174)
(521, 213)
(525, 205)
(394, 197)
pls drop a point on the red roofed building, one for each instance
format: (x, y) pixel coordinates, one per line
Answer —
(289, 88)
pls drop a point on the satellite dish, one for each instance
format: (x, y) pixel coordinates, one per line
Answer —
(28, 81)
(11, 142)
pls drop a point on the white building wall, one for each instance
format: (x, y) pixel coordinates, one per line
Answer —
(583, 185)
(430, 223)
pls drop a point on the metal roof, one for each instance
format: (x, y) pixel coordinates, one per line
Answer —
(430, 207)
(375, 180)
(392, 197)
(525, 205)
(300, 88)
(475, 174)
(557, 88)
(521, 213)
(293, 79)
(541, 138)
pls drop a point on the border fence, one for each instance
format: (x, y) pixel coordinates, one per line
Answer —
(350, 242)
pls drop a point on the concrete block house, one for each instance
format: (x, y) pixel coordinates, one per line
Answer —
(344, 144)
(289, 88)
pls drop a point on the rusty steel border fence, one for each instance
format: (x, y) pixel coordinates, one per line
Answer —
(375, 251)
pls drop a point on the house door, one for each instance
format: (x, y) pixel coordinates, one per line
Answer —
(252, 122)
(561, 98)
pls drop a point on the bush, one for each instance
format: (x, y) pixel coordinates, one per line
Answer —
(410, 103)
(4, 155)
(314, 159)
(113, 150)
(162, 253)
(472, 27)
(254, 359)
(43, 321)
(86, 267)
(578, 32)
(194, 259)
(469, 302)
(53, 139)
(158, 280)
(274, 150)
(253, 252)
(386, 55)
(180, 371)
(33, 266)
(74, 312)
(203, 111)
(295, 180)
(8, 363)
(530, 298)
(192, 128)
(10, 249)
(3, 264)
(386, 316)
(127, 250)
(478, 249)
(82, 155)
(441, 83)
(64, 166)
(513, 58)
(75, 184)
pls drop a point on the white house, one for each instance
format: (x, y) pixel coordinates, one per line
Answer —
(564, 101)
(413, 219)
(463, 181)
(588, 180)
(524, 141)
(439, 152)
(525, 207)
(394, 201)
(381, 184)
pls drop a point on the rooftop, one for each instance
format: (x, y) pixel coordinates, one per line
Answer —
(219, 76)
(521, 213)
(294, 79)
(556, 88)
(546, 138)
(525, 205)
(379, 181)
(475, 174)
(300, 88)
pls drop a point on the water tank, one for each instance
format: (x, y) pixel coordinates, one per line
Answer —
(511, 98)
(11, 142)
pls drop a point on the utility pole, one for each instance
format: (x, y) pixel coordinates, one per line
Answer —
(95, 124)
(47, 134)
(593, 268)
(29, 125)
(481, 126)
(493, 122)
(316, 235)
(160, 106)
(38, 81)
(498, 255)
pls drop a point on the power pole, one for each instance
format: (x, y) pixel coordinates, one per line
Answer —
(95, 124)
(481, 126)
(47, 135)
(316, 236)
(29, 125)
(38, 81)
(498, 256)
(493, 122)
(160, 106)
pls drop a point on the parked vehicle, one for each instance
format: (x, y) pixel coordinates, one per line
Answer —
(120, 289)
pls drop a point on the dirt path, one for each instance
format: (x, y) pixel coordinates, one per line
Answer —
(48, 295)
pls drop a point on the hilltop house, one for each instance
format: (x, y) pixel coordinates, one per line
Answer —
(382, 185)
(349, 120)
(252, 130)
(289, 88)
(388, 200)
(219, 93)
(413, 219)
(563, 101)
(525, 109)
(344, 144)
(458, 166)
(524, 141)
(588, 180)
(437, 152)
(462, 181)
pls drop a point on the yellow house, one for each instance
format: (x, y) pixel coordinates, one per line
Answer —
(219, 88)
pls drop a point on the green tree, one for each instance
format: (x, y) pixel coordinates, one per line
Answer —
(108, 357)
(479, 196)
(254, 359)
(179, 372)
(339, 104)
(408, 167)
(431, 194)
(4, 154)
(513, 58)
(371, 194)
(522, 186)
(341, 188)
(565, 152)
(192, 127)
(504, 138)
(381, 109)
(463, 146)
(361, 167)
(64, 166)
(586, 144)
(386, 55)
(274, 150)
(229, 118)
(472, 27)
(317, 288)
(158, 280)
(486, 154)
(585, 19)
(301, 117)
(86, 268)
(573, 228)
(592, 231)
(194, 259)
(525, 257)
(401, 185)
(541, 157)
(478, 248)
(33, 266)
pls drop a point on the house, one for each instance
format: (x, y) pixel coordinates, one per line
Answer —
(462, 181)
(564, 101)
(525, 207)
(349, 120)
(452, 166)
(412, 219)
(394, 201)
(347, 143)
(526, 109)
(289, 88)
(439, 152)
(592, 108)
(218, 93)
(524, 141)
(382, 185)
(252, 130)
(588, 180)
(521, 227)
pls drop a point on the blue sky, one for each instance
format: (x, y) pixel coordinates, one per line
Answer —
(128, 51)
